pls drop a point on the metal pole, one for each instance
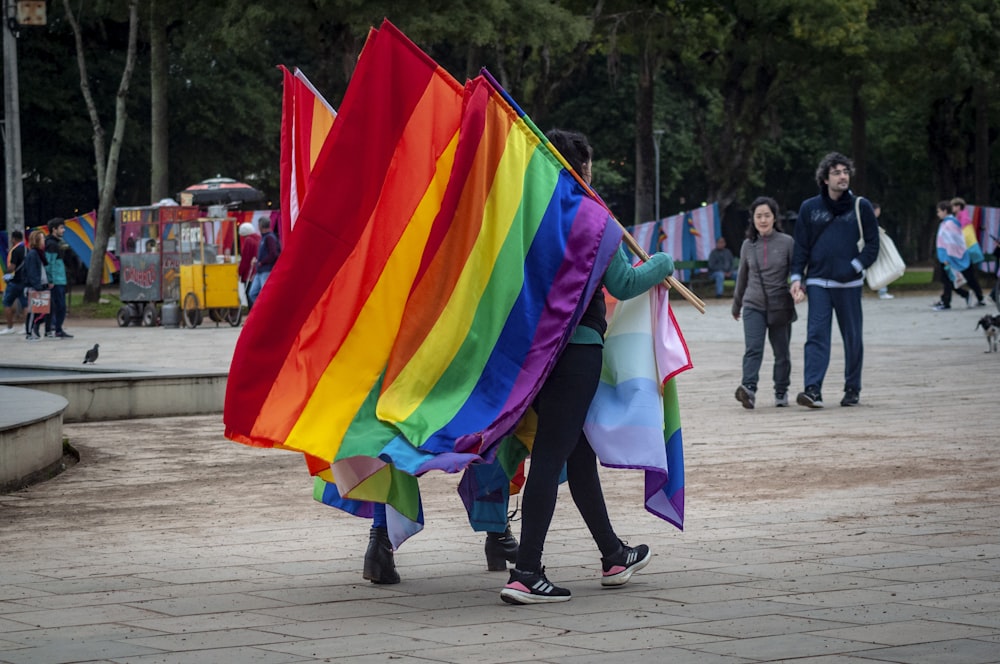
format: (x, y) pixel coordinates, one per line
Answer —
(12, 122)
(657, 135)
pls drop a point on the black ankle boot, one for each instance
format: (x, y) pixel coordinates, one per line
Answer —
(379, 565)
(501, 548)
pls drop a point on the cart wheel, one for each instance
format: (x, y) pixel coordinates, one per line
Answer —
(192, 311)
(234, 316)
(216, 315)
(149, 317)
(124, 316)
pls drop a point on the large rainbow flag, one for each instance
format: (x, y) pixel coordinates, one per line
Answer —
(80, 234)
(306, 120)
(440, 258)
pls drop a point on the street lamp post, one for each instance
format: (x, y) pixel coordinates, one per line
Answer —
(657, 135)
(12, 122)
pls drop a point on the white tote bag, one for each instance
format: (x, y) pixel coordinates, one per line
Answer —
(889, 265)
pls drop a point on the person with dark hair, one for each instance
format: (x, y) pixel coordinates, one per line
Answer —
(763, 297)
(561, 406)
(720, 265)
(829, 264)
(14, 294)
(957, 266)
(267, 255)
(55, 253)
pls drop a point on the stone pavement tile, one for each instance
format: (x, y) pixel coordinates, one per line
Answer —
(729, 609)
(980, 603)
(337, 610)
(499, 653)
(61, 652)
(206, 622)
(361, 644)
(198, 603)
(322, 628)
(722, 592)
(757, 626)
(65, 601)
(919, 573)
(225, 638)
(241, 655)
(782, 646)
(959, 651)
(631, 639)
(606, 621)
(655, 656)
(87, 615)
(873, 614)
(935, 589)
(902, 633)
(797, 584)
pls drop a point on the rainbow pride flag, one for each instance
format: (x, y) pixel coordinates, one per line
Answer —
(634, 419)
(80, 234)
(439, 261)
(306, 120)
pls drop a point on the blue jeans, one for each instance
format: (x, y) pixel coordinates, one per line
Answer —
(256, 285)
(823, 302)
(755, 327)
(54, 322)
(720, 278)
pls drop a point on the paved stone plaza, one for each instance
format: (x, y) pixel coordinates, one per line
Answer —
(843, 535)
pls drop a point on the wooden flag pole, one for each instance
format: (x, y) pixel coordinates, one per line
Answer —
(685, 292)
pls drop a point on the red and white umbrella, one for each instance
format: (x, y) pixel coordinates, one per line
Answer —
(220, 191)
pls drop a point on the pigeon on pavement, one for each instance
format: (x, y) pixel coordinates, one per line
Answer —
(91, 355)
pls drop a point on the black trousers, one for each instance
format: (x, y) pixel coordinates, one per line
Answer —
(562, 407)
(970, 276)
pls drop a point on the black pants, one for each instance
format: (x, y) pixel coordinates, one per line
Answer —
(562, 408)
(970, 276)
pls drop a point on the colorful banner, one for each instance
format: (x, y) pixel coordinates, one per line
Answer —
(80, 234)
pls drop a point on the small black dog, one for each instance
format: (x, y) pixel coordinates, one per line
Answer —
(991, 327)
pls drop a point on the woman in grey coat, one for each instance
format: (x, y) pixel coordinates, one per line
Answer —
(762, 296)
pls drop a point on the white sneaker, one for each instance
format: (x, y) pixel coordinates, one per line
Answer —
(886, 296)
(7, 330)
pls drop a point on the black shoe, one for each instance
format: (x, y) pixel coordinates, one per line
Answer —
(532, 588)
(618, 568)
(501, 548)
(851, 397)
(981, 303)
(811, 398)
(64, 335)
(941, 306)
(379, 564)
(746, 396)
(780, 399)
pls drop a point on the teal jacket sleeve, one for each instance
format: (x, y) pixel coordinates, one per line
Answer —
(624, 281)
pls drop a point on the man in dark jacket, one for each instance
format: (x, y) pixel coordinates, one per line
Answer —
(828, 259)
(55, 253)
(15, 285)
(267, 256)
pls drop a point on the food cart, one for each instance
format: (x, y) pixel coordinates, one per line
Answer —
(209, 278)
(174, 254)
(149, 252)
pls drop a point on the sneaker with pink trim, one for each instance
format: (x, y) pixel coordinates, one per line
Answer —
(618, 569)
(532, 588)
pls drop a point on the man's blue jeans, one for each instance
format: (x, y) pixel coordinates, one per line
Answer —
(823, 303)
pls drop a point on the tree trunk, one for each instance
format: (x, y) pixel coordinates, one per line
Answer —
(982, 153)
(859, 142)
(106, 163)
(159, 181)
(645, 187)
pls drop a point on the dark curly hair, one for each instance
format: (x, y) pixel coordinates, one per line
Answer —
(572, 145)
(828, 162)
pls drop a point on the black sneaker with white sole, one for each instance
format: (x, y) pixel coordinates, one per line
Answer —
(532, 588)
(810, 398)
(618, 569)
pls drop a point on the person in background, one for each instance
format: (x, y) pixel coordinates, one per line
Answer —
(249, 245)
(35, 278)
(831, 268)
(14, 294)
(267, 256)
(766, 304)
(561, 406)
(55, 252)
(953, 254)
(883, 293)
(720, 265)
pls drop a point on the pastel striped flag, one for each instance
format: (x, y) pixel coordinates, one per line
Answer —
(80, 234)
(306, 120)
(439, 260)
(634, 421)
